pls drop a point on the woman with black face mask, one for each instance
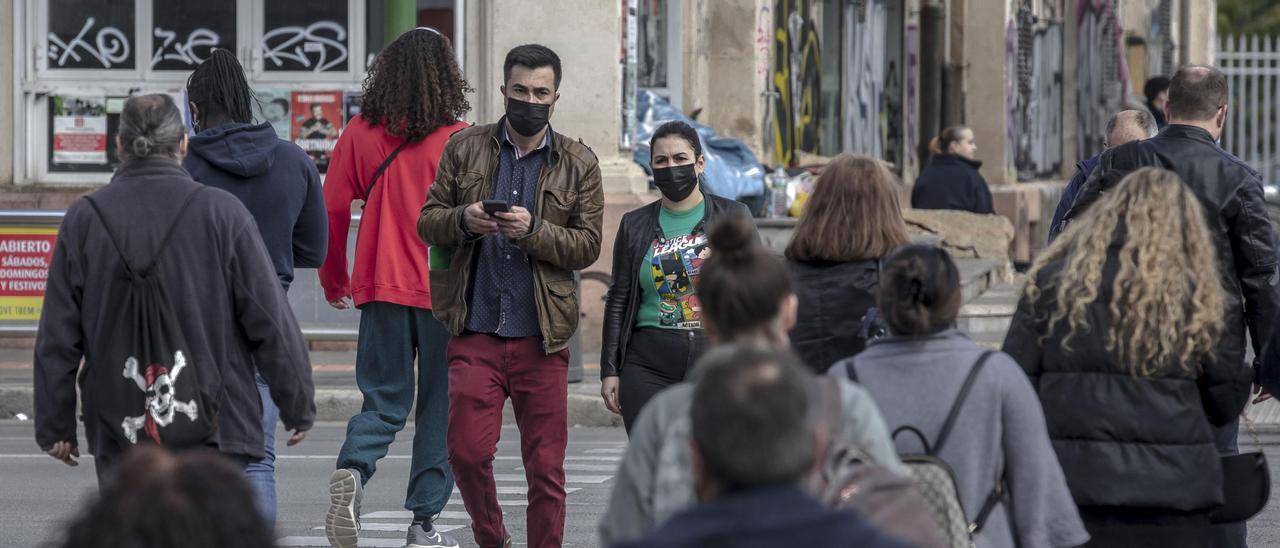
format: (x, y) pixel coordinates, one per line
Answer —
(653, 319)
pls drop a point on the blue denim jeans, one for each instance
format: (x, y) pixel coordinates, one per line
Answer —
(262, 473)
(391, 336)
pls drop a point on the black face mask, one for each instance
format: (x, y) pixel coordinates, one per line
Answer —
(676, 182)
(527, 119)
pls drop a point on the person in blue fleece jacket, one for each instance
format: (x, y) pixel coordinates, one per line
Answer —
(276, 181)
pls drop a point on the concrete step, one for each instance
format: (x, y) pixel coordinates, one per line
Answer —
(986, 319)
(977, 276)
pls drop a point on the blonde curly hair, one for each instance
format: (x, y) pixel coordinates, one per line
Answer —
(1167, 302)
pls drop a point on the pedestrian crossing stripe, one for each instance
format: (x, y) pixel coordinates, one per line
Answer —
(405, 514)
(575, 467)
(569, 478)
(322, 541)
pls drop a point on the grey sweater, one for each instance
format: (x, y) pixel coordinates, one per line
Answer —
(1000, 431)
(655, 480)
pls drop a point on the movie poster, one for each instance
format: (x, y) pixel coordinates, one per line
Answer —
(317, 120)
(273, 106)
(80, 129)
(350, 106)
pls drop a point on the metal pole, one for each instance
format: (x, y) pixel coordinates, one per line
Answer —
(399, 16)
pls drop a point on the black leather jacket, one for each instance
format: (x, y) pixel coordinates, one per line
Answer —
(636, 233)
(1231, 192)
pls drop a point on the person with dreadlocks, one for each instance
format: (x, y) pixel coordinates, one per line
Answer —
(387, 157)
(279, 185)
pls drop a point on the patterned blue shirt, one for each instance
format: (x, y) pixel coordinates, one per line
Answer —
(501, 301)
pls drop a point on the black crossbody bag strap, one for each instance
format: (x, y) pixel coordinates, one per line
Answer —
(385, 163)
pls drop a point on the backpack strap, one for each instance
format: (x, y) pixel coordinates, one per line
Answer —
(997, 494)
(111, 234)
(164, 243)
(959, 403)
(385, 163)
(850, 371)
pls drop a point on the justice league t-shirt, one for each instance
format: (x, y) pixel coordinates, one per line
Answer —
(670, 271)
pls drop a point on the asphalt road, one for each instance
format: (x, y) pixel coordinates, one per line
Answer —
(39, 494)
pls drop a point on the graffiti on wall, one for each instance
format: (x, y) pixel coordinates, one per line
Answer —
(866, 122)
(108, 45)
(911, 53)
(1035, 114)
(796, 72)
(1101, 73)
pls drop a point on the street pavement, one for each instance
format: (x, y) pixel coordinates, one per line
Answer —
(39, 494)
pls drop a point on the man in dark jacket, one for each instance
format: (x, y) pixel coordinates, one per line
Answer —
(508, 295)
(279, 184)
(755, 438)
(1231, 193)
(276, 180)
(216, 272)
(1124, 127)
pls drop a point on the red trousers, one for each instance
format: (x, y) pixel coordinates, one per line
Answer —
(484, 371)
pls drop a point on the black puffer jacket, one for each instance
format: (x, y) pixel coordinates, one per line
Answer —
(1122, 440)
(636, 233)
(1231, 193)
(833, 299)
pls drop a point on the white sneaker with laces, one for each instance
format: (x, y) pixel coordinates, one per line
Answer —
(342, 521)
(424, 535)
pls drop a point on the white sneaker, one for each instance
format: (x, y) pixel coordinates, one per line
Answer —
(342, 521)
(424, 535)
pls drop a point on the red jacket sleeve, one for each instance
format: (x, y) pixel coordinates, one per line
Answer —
(339, 191)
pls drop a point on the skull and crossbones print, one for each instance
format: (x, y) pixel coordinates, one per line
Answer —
(158, 383)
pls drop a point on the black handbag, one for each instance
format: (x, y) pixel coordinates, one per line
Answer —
(1246, 485)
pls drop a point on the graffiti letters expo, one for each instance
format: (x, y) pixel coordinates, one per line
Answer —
(318, 47)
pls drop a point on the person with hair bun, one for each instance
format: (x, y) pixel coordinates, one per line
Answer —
(951, 180)
(998, 437)
(653, 317)
(279, 184)
(747, 299)
(221, 287)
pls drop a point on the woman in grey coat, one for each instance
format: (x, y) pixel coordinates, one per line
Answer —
(999, 434)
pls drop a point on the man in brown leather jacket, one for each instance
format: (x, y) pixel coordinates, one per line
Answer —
(502, 283)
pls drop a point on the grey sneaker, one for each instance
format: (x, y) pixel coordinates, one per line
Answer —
(342, 522)
(423, 535)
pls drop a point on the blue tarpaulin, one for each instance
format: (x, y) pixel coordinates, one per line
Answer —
(732, 170)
